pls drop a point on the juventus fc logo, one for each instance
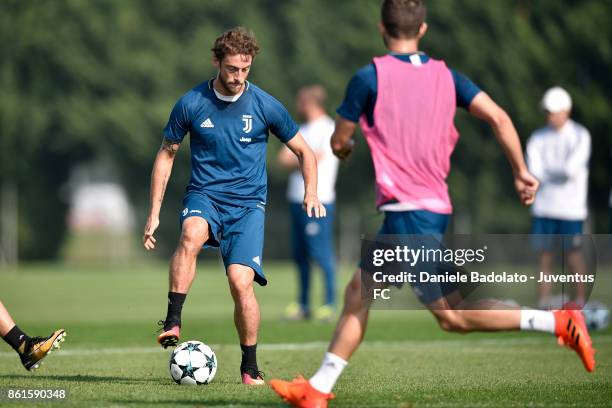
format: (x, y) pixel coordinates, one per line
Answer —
(248, 123)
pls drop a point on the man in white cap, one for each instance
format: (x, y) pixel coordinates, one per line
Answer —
(558, 155)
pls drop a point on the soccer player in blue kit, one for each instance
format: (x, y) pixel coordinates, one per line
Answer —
(228, 119)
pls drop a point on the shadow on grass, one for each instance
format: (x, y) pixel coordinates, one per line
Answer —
(80, 378)
(100, 378)
(202, 403)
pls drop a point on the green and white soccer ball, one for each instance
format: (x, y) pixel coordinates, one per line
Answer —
(193, 363)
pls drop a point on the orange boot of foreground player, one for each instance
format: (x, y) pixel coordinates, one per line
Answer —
(571, 331)
(300, 393)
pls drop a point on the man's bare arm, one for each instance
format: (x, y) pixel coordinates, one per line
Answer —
(483, 107)
(162, 168)
(342, 139)
(289, 160)
(308, 165)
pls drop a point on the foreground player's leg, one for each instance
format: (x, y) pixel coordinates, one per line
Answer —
(182, 272)
(31, 350)
(567, 325)
(246, 318)
(347, 337)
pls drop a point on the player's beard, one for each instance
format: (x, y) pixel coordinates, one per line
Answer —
(231, 88)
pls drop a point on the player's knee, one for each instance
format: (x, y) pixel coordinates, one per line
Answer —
(191, 240)
(241, 285)
(189, 246)
(452, 321)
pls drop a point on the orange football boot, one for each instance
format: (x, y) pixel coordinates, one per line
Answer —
(571, 331)
(300, 393)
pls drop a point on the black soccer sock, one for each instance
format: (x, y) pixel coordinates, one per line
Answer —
(249, 359)
(175, 306)
(17, 339)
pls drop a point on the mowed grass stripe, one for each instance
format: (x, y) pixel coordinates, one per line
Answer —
(314, 345)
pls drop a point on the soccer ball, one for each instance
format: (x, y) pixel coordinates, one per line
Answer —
(596, 315)
(193, 363)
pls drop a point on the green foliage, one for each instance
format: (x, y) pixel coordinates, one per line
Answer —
(97, 79)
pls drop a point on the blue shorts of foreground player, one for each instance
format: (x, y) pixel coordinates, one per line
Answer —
(420, 227)
(237, 231)
(551, 233)
(312, 240)
(414, 222)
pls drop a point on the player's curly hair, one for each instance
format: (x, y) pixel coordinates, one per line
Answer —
(403, 18)
(237, 40)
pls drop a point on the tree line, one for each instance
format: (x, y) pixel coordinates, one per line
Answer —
(95, 80)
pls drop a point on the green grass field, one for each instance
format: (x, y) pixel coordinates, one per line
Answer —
(110, 357)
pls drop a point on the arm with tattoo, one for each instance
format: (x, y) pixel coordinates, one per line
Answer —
(162, 168)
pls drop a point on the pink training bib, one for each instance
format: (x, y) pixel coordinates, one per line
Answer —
(413, 135)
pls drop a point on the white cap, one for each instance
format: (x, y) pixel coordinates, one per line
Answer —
(556, 100)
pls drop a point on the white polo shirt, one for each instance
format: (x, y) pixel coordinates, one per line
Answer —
(560, 159)
(317, 135)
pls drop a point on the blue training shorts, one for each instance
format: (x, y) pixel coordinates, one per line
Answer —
(551, 233)
(420, 227)
(237, 231)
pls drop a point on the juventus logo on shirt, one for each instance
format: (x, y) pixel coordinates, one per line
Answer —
(248, 123)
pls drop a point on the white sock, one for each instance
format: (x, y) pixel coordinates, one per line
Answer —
(538, 320)
(331, 368)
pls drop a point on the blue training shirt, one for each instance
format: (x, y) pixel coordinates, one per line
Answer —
(362, 90)
(228, 141)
